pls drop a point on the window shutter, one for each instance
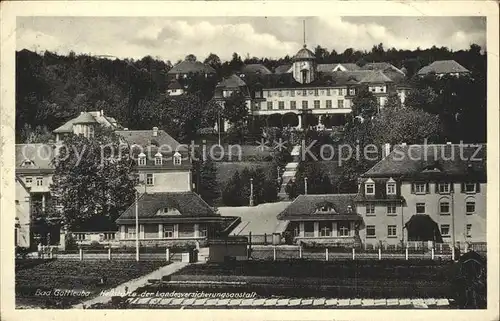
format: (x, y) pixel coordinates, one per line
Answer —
(462, 187)
(412, 188)
(452, 186)
(436, 187)
(478, 187)
(427, 190)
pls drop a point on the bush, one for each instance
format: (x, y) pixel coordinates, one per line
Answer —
(70, 242)
(96, 245)
(22, 252)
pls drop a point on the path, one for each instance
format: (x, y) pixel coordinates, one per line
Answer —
(134, 284)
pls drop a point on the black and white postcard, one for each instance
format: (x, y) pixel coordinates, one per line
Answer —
(268, 160)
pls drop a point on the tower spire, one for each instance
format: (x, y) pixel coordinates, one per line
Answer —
(304, 31)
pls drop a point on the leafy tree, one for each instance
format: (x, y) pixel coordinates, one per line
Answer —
(393, 102)
(213, 60)
(364, 104)
(190, 57)
(92, 181)
(235, 109)
(207, 184)
(411, 126)
(424, 99)
(318, 181)
(237, 189)
(231, 194)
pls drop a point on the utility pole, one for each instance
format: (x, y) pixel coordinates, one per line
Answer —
(305, 185)
(251, 191)
(136, 226)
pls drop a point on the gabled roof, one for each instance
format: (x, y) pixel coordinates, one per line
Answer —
(443, 67)
(411, 162)
(256, 69)
(174, 84)
(186, 66)
(283, 69)
(188, 205)
(87, 118)
(383, 66)
(41, 155)
(305, 206)
(84, 118)
(375, 77)
(232, 81)
(330, 67)
(145, 138)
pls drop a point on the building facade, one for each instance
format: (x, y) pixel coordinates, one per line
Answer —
(321, 219)
(305, 93)
(168, 219)
(445, 184)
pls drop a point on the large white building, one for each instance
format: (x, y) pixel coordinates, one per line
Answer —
(305, 93)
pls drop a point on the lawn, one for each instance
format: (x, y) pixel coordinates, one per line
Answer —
(314, 279)
(43, 284)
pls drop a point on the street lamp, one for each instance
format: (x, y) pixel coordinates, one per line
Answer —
(251, 191)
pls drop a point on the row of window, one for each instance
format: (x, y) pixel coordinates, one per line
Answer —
(377, 89)
(305, 104)
(29, 180)
(420, 188)
(420, 208)
(311, 92)
(169, 231)
(177, 160)
(392, 231)
(325, 229)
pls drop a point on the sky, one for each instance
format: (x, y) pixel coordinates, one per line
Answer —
(173, 38)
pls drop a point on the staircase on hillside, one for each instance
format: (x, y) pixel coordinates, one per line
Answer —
(290, 171)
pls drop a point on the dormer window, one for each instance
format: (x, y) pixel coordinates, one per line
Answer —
(27, 162)
(419, 188)
(370, 187)
(29, 180)
(141, 161)
(391, 187)
(158, 159)
(177, 158)
(470, 187)
(444, 188)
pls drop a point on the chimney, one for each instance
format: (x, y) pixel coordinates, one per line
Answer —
(349, 209)
(387, 150)
(102, 112)
(155, 131)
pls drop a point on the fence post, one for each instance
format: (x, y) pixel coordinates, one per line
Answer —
(453, 252)
(265, 238)
(326, 254)
(406, 253)
(167, 254)
(81, 254)
(250, 238)
(300, 251)
(274, 253)
(353, 253)
(432, 252)
(380, 253)
(109, 253)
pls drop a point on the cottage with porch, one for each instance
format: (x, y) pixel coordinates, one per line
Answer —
(328, 219)
(173, 219)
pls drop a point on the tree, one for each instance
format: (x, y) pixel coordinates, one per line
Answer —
(424, 99)
(207, 184)
(190, 57)
(364, 104)
(232, 193)
(237, 190)
(92, 181)
(318, 181)
(393, 102)
(214, 61)
(411, 126)
(235, 109)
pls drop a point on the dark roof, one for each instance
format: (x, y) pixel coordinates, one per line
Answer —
(186, 66)
(283, 69)
(383, 66)
(182, 204)
(84, 118)
(256, 69)
(330, 67)
(443, 67)
(304, 54)
(232, 81)
(174, 84)
(145, 138)
(415, 161)
(305, 206)
(41, 155)
(376, 77)
(380, 191)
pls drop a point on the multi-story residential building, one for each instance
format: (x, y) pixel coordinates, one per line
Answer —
(321, 219)
(163, 165)
(445, 184)
(189, 68)
(307, 94)
(441, 68)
